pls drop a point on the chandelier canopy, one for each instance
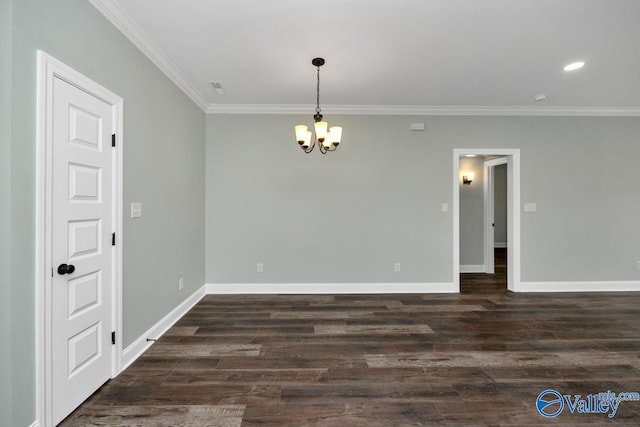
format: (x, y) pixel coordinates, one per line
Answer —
(327, 139)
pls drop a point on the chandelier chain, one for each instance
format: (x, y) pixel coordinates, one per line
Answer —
(318, 92)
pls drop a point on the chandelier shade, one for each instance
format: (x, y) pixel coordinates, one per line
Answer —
(324, 137)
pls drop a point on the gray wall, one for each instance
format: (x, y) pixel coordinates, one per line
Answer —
(472, 212)
(349, 215)
(163, 169)
(500, 204)
(5, 195)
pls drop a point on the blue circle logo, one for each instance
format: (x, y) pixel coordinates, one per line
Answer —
(546, 401)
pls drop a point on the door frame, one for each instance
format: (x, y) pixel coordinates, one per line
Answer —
(489, 212)
(49, 69)
(513, 211)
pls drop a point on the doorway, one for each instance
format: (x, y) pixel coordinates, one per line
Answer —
(78, 223)
(511, 157)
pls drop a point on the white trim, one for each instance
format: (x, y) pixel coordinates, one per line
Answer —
(480, 268)
(140, 345)
(513, 203)
(127, 26)
(48, 69)
(36, 423)
(419, 110)
(575, 286)
(500, 245)
(329, 288)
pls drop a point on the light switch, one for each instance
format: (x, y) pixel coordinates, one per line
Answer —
(445, 207)
(530, 207)
(136, 210)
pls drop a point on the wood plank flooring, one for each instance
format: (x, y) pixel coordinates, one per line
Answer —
(476, 358)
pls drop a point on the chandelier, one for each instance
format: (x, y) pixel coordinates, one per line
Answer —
(327, 139)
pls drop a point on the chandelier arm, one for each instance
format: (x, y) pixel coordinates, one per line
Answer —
(310, 149)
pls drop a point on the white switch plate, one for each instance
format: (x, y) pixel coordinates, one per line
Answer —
(445, 207)
(259, 267)
(637, 265)
(396, 267)
(180, 284)
(530, 207)
(136, 210)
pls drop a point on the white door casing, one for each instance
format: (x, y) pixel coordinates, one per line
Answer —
(78, 208)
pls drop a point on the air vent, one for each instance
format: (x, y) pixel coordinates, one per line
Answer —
(217, 86)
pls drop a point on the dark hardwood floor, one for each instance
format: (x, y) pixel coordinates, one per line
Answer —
(480, 357)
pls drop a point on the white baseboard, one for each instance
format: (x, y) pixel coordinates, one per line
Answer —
(473, 268)
(36, 423)
(329, 288)
(136, 348)
(499, 244)
(610, 286)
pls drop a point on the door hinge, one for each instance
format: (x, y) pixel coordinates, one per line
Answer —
(113, 239)
(113, 139)
(113, 337)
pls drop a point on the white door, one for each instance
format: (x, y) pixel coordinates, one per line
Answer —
(82, 253)
(490, 215)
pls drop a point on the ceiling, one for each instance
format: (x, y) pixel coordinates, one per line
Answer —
(393, 56)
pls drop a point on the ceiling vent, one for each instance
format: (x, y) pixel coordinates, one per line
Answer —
(217, 86)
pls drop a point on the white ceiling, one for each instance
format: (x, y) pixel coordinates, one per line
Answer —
(403, 56)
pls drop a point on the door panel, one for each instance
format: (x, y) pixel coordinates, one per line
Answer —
(82, 223)
(85, 293)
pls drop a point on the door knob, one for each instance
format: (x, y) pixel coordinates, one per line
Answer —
(66, 269)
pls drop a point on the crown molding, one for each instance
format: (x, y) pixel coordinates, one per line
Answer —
(141, 40)
(416, 110)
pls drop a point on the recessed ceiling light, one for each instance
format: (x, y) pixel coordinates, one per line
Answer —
(469, 155)
(574, 66)
(541, 97)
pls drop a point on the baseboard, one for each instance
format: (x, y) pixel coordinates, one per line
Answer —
(136, 348)
(480, 268)
(499, 244)
(329, 288)
(36, 423)
(587, 286)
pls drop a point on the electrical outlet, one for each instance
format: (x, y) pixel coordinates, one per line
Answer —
(396, 267)
(259, 267)
(181, 284)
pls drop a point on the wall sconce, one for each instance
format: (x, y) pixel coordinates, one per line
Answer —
(467, 179)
